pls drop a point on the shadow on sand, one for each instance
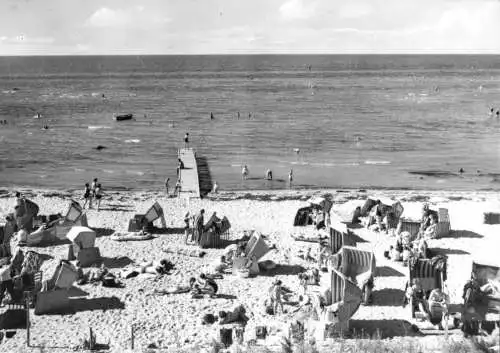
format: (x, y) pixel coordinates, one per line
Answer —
(463, 234)
(386, 271)
(388, 297)
(382, 328)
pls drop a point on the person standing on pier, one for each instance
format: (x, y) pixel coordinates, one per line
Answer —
(186, 140)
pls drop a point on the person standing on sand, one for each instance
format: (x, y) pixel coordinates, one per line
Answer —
(98, 195)
(186, 140)
(244, 172)
(166, 184)
(198, 225)
(87, 195)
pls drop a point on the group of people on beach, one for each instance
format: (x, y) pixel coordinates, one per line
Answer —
(92, 192)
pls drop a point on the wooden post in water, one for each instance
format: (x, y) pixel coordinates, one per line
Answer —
(28, 325)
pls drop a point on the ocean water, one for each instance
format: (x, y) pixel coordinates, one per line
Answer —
(349, 121)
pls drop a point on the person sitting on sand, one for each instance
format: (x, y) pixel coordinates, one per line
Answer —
(375, 216)
(237, 315)
(210, 287)
(416, 292)
(430, 232)
(426, 215)
(219, 265)
(87, 196)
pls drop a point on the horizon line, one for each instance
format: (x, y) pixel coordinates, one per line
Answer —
(257, 54)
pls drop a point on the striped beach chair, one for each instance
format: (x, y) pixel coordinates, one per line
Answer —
(349, 294)
(359, 266)
(339, 237)
(430, 274)
(216, 234)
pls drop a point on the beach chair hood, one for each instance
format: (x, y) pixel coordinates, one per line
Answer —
(322, 203)
(82, 236)
(256, 246)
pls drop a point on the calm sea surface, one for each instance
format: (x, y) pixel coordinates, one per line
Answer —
(357, 121)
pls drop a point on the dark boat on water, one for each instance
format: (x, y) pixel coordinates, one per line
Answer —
(122, 117)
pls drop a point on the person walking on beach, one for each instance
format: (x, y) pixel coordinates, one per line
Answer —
(198, 225)
(166, 184)
(87, 195)
(98, 195)
(177, 190)
(186, 140)
(244, 172)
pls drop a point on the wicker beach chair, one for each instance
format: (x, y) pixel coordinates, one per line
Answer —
(339, 237)
(482, 306)
(431, 274)
(216, 233)
(346, 298)
(444, 226)
(141, 221)
(359, 266)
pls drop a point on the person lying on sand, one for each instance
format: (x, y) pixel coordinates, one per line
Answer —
(237, 315)
(161, 268)
(220, 265)
(179, 289)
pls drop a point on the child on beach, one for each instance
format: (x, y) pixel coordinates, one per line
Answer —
(209, 285)
(276, 296)
(87, 196)
(98, 195)
(244, 172)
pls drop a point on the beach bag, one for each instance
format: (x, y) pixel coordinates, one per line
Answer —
(261, 332)
(226, 336)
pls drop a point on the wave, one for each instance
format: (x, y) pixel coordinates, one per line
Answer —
(133, 141)
(377, 162)
(133, 172)
(95, 127)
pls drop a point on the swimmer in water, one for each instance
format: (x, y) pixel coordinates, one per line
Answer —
(498, 114)
(492, 111)
(461, 170)
(45, 127)
(211, 116)
(238, 115)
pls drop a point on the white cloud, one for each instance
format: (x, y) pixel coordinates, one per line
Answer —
(135, 17)
(355, 10)
(297, 9)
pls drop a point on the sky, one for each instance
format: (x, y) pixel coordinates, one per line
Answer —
(113, 27)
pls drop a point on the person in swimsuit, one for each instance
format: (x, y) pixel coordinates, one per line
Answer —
(244, 172)
(186, 140)
(87, 195)
(98, 195)
(166, 184)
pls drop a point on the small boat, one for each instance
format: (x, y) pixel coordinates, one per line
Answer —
(122, 117)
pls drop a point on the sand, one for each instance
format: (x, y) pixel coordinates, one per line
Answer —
(174, 322)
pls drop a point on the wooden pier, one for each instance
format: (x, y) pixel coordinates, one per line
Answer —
(195, 178)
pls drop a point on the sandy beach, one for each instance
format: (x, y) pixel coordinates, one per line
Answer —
(174, 322)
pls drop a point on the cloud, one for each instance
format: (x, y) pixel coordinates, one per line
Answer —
(355, 10)
(135, 17)
(297, 9)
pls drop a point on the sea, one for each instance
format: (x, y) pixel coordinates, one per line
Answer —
(337, 121)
